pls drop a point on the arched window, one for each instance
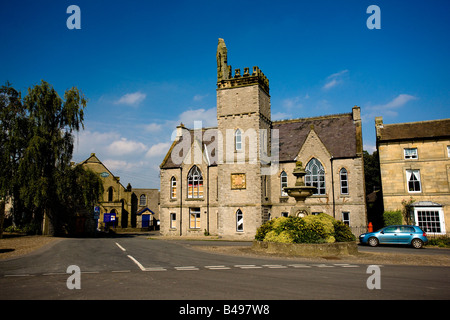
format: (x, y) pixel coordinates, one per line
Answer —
(195, 183)
(343, 176)
(239, 221)
(315, 176)
(173, 188)
(238, 140)
(142, 200)
(284, 184)
(110, 193)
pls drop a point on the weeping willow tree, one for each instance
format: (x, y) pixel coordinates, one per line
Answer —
(46, 184)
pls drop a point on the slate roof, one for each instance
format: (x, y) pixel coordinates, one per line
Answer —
(414, 130)
(337, 133)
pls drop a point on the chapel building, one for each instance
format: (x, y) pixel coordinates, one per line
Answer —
(230, 179)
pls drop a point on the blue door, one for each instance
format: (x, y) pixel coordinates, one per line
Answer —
(146, 220)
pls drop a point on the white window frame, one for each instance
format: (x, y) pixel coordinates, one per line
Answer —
(173, 187)
(344, 181)
(448, 151)
(173, 220)
(239, 221)
(318, 179)
(238, 140)
(195, 178)
(409, 175)
(283, 184)
(346, 217)
(427, 224)
(410, 153)
(194, 218)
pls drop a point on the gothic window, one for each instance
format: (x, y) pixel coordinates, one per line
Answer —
(110, 194)
(173, 188)
(344, 181)
(413, 180)
(315, 176)
(239, 221)
(142, 200)
(238, 140)
(195, 183)
(284, 184)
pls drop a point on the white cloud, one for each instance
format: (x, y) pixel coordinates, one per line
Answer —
(334, 79)
(131, 98)
(292, 103)
(199, 97)
(280, 116)
(125, 146)
(397, 102)
(387, 109)
(158, 149)
(208, 117)
(153, 127)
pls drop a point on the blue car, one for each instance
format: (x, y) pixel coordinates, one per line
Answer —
(410, 235)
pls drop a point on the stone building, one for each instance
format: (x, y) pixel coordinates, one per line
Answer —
(228, 180)
(415, 170)
(122, 207)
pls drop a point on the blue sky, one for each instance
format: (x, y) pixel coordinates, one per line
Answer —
(146, 66)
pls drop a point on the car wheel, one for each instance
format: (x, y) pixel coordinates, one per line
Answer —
(417, 243)
(373, 242)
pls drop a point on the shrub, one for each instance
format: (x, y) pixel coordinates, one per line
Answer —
(310, 229)
(392, 217)
(263, 230)
(342, 232)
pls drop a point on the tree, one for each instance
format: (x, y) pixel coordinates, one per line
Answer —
(12, 141)
(47, 156)
(36, 147)
(372, 171)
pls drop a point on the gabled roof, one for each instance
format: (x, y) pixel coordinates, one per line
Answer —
(337, 133)
(433, 129)
(209, 142)
(144, 210)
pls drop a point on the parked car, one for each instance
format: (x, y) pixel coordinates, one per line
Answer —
(401, 234)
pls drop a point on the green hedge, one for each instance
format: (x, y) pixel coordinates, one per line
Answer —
(319, 228)
(392, 217)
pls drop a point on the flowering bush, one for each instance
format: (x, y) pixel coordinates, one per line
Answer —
(319, 228)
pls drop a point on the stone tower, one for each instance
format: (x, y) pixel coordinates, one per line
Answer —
(244, 123)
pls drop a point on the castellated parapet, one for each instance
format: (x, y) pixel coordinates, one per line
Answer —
(226, 80)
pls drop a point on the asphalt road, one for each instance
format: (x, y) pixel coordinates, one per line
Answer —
(135, 268)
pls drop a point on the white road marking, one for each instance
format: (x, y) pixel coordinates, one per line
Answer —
(137, 262)
(247, 266)
(188, 268)
(274, 266)
(121, 248)
(217, 267)
(155, 269)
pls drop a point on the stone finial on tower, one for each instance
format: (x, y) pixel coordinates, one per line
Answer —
(222, 65)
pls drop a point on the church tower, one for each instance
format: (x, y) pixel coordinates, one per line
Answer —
(244, 123)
